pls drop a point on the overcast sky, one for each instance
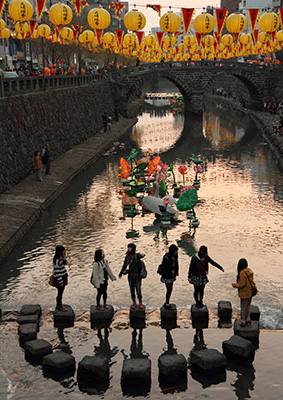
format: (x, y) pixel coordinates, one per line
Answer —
(152, 18)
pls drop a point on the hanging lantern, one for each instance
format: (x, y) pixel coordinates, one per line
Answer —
(227, 39)
(67, 33)
(98, 18)
(5, 33)
(20, 10)
(134, 21)
(2, 24)
(189, 40)
(60, 14)
(22, 27)
(109, 39)
(268, 22)
(169, 41)
(170, 22)
(246, 38)
(236, 23)
(182, 48)
(204, 23)
(129, 40)
(208, 40)
(279, 36)
(44, 31)
(86, 36)
(35, 34)
(263, 37)
(150, 40)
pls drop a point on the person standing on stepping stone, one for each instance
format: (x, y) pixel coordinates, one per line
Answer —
(169, 271)
(99, 278)
(60, 275)
(245, 282)
(132, 263)
(198, 273)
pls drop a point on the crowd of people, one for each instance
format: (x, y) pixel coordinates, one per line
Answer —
(168, 269)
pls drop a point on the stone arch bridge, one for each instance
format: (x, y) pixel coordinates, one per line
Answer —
(195, 79)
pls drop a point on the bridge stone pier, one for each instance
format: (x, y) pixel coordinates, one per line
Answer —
(195, 79)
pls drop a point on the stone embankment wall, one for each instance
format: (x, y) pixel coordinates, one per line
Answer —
(63, 118)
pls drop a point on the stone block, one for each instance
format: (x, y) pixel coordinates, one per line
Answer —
(137, 323)
(224, 310)
(101, 318)
(27, 332)
(209, 361)
(36, 349)
(137, 313)
(58, 363)
(199, 317)
(172, 368)
(93, 370)
(238, 348)
(64, 319)
(168, 314)
(29, 319)
(249, 332)
(255, 313)
(168, 324)
(30, 309)
(136, 372)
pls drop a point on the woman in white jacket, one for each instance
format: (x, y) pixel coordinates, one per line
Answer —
(100, 273)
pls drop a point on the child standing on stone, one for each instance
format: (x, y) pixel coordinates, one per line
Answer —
(38, 166)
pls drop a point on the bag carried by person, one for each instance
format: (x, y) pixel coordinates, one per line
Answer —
(142, 269)
(159, 269)
(254, 289)
(51, 281)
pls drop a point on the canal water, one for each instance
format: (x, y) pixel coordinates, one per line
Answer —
(240, 213)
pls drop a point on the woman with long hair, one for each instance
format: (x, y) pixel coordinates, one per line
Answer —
(131, 262)
(169, 271)
(245, 282)
(60, 276)
(198, 273)
(100, 273)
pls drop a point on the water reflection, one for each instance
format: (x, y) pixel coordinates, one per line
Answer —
(244, 382)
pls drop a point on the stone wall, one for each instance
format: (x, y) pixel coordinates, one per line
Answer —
(63, 118)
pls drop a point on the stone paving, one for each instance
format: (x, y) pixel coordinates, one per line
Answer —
(24, 203)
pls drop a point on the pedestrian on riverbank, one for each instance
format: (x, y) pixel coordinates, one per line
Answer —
(104, 121)
(38, 166)
(109, 122)
(60, 276)
(99, 278)
(132, 267)
(245, 283)
(197, 274)
(169, 270)
(46, 158)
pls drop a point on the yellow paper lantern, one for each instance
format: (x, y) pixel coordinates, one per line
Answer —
(22, 28)
(208, 40)
(20, 10)
(268, 22)
(67, 33)
(279, 36)
(169, 41)
(109, 39)
(60, 14)
(98, 18)
(189, 40)
(129, 40)
(86, 36)
(204, 23)
(236, 23)
(245, 38)
(170, 22)
(150, 40)
(34, 34)
(263, 37)
(2, 24)
(5, 33)
(134, 21)
(182, 48)
(227, 39)
(44, 30)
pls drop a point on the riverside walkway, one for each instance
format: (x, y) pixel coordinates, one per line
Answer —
(24, 203)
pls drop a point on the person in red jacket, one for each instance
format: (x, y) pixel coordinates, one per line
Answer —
(38, 166)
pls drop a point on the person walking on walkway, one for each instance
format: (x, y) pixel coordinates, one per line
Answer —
(60, 276)
(45, 156)
(38, 166)
(169, 269)
(100, 273)
(132, 263)
(245, 283)
(198, 271)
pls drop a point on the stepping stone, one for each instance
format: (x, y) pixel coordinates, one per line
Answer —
(136, 372)
(255, 313)
(208, 361)
(168, 314)
(225, 310)
(29, 319)
(172, 368)
(199, 317)
(101, 318)
(137, 323)
(27, 332)
(93, 370)
(58, 363)
(250, 332)
(64, 319)
(238, 348)
(169, 324)
(30, 309)
(36, 349)
(137, 313)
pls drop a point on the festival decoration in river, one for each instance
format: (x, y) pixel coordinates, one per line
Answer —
(148, 188)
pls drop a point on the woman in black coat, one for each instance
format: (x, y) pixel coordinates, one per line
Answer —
(198, 273)
(169, 271)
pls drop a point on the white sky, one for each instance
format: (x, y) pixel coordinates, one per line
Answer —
(152, 18)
